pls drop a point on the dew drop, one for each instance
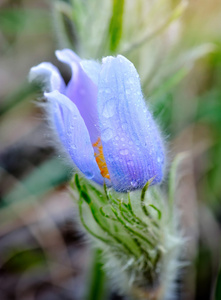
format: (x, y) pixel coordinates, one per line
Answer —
(130, 163)
(89, 175)
(124, 152)
(124, 126)
(109, 109)
(107, 134)
(110, 159)
(134, 183)
(130, 80)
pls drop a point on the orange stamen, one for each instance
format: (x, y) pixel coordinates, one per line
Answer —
(99, 156)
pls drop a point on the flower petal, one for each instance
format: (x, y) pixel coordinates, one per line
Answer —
(67, 56)
(92, 69)
(82, 91)
(132, 145)
(48, 75)
(73, 134)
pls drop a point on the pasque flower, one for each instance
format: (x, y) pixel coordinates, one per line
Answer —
(102, 120)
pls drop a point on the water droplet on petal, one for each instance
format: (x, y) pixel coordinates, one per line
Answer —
(124, 152)
(109, 109)
(110, 159)
(107, 91)
(89, 175)
(134, 183)
(130, 163)
(159, 159)
(107, 134)
(124, 126)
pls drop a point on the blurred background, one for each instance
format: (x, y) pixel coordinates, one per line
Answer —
(176, 48)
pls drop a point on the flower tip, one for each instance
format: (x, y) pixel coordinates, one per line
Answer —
(67, 56)
(107, 59)
(37, 73)
(31, 75)
(122, 58)
(51, 95)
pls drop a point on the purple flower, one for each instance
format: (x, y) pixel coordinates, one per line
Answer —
(102, 121)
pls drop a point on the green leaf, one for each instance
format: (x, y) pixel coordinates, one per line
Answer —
(26, 259)
(116, 24)
(170, 83)
(143, 193)
(65, 25)
(21, 94)
(97, 278)
(44, 178)
(157, 210)
(218, 287)
(173, 176)
(27, 20)
(148, 36)
(210, 107)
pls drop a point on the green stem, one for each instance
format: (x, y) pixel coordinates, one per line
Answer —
(109, 231)
(131, 230)
(106, 215)
(151, 231)
(97, 278)
(87, 228)
(138, 220)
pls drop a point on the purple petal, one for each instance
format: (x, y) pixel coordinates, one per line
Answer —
(132, 145)
(73, 134)
(92, 69)
(82, 91)
(49, 76)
